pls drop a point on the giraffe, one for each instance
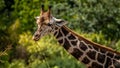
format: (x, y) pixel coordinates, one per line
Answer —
(93, 55)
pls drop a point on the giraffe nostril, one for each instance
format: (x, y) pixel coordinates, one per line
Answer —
(36, 35)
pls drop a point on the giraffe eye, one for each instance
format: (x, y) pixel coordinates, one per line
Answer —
(49, 24)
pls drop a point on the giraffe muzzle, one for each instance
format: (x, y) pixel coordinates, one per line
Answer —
(36, 37)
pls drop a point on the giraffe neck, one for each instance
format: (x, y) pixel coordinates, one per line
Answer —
(91, 54)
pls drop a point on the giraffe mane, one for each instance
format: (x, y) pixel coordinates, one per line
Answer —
(91, 42)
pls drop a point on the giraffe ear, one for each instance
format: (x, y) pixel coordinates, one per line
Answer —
(60, 22)
(37, 17)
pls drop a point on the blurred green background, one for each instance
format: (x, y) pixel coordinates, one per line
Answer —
(97, 20)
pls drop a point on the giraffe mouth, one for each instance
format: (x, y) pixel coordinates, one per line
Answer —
(36, 38)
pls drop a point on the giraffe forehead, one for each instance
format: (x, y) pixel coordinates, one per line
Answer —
(45, 15)
(40, 20)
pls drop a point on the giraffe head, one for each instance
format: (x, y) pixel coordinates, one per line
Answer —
(46, 23)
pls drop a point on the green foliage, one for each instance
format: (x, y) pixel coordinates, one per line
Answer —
(118, 46)
(2, 5)
(45, 53)
(17, 64)
(97, 20)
